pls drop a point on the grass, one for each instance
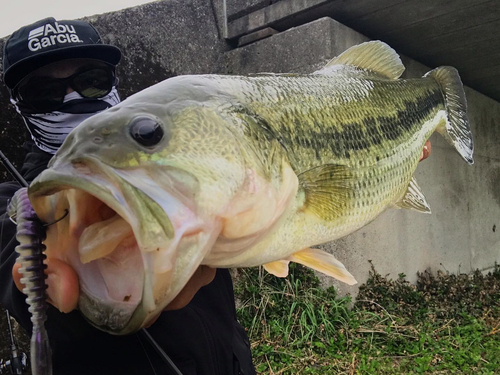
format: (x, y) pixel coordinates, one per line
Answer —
(446, 324)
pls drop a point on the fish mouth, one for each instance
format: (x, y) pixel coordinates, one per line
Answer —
(133, 243)
(101, 247)
(101, 236)
(108, 261)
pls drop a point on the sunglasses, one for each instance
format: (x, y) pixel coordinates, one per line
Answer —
(43, 94)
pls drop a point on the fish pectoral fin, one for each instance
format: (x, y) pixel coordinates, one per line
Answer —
(414, 198)
(323, 262)
(374, 56)
(327, 190)
(278, 268)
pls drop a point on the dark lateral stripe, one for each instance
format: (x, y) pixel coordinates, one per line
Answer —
(414, 113)
(373, 131)
(292, 134)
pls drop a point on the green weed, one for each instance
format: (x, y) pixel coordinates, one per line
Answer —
(445, 324)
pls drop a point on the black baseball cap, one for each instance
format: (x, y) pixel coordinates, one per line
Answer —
(48, 41)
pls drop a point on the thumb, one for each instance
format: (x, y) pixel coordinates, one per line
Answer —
(63, 286)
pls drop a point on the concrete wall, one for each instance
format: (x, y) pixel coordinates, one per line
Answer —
(238, 8)
(158, 40)
(461, 234)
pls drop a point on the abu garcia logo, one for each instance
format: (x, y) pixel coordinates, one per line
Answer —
(49, 35)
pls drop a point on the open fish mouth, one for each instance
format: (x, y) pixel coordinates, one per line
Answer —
(108, 261)
(101, 237)
(133, 242)
(101, 247)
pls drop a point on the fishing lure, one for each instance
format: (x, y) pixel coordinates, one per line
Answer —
(30, 234)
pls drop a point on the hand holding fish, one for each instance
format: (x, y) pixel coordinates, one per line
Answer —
(63, 286)
(62, 281)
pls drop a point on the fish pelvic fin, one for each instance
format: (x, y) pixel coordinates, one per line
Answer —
(457, 129)
(414, 199)
(327, 190)
(278, 268)
(323, 262)
(374, 56)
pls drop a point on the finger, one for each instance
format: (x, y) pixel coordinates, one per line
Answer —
(63, 285)
(203, 276)
(62, 281)
(426, 151)
(207, 274)
(152, 321)
(16, 275)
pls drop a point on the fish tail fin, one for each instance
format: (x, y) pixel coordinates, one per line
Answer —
(456, 130)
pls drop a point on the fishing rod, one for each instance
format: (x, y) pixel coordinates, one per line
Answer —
(145, 334)
(18, 362)
(12, 170)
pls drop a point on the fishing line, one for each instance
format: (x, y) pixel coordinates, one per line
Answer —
(66, 212)
(160, 351)
(145, 352)
(2, 218)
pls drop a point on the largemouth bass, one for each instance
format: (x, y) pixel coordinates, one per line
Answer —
(231, 171)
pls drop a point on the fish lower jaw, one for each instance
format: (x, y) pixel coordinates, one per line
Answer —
(110, 290)
(104, 315)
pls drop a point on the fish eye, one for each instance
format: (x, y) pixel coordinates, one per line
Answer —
(146, 131)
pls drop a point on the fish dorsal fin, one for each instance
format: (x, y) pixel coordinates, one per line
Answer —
(374, 56)
(414, 198)
(278, 268)
(327, 190)
(323, 262)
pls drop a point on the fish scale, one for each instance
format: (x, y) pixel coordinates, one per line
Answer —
(330, 129)
(325, 130)
(300, 144)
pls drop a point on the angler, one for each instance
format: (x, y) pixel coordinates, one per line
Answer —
(55, 88)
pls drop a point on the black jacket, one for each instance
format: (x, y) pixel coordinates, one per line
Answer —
(203, 338)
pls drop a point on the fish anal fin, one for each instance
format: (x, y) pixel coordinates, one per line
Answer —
(374, 56)
(323, 262)
(278, 268)
(414, 199)
(327, 190)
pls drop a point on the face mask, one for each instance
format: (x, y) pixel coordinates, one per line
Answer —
(49, 130)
